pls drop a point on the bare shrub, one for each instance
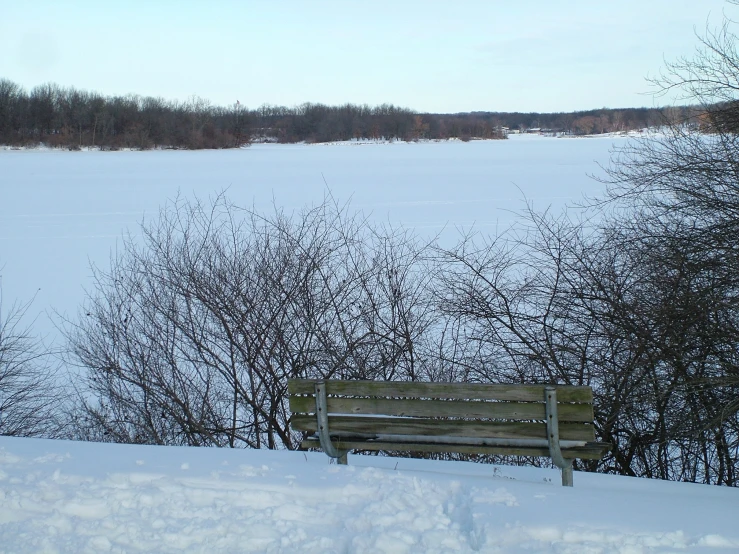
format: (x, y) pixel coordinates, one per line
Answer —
(191, 335)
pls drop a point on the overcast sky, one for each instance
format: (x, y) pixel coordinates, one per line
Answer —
(431, 56)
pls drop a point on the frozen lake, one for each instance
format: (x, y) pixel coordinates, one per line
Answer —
(61, 211)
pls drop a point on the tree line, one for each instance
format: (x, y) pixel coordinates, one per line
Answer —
(72, 118)
(586, 122)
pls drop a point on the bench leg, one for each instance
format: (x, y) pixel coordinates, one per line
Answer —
(323, 432)
(555, 452)
(567, 475)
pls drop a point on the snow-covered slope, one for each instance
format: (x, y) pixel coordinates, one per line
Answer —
(60, 496)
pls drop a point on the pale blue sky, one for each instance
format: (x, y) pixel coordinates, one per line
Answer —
(433, 56)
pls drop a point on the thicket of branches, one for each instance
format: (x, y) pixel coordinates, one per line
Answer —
(192, 335)
(625, 312)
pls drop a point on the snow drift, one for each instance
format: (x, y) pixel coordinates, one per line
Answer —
(61, 496)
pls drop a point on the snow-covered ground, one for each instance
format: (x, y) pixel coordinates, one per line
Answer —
(60, 496)
(60, 211)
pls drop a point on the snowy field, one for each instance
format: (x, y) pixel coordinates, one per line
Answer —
(61, 211)
(59, 496)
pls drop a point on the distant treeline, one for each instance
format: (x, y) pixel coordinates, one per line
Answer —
(588, 122)
(71, 118)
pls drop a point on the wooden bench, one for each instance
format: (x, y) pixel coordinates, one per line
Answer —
(520, 420)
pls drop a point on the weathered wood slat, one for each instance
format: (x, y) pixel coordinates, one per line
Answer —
(302, 404)
(510, 392)
(347, 425)
(442, 408)
(587, 452)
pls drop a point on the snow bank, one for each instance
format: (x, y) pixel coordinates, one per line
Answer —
(60, 496)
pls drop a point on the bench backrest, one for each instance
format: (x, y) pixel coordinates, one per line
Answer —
(471, 411)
